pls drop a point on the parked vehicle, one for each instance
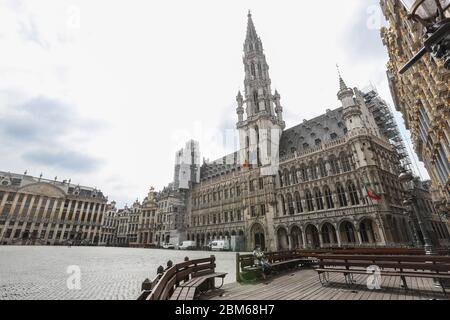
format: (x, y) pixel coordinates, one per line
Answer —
(188, 245)
(220, 245)
(168, 246)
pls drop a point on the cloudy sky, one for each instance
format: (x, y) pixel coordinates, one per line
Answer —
(104, 92)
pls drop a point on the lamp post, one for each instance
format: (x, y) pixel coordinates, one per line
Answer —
(407, 180)
(433, 15)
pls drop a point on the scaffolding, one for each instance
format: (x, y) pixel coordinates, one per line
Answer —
(385, 121)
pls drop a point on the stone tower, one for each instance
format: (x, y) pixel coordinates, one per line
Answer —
(352, 112)
(260, 129)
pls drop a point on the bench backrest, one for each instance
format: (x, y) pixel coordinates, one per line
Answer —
(166, 284)
(423, 262)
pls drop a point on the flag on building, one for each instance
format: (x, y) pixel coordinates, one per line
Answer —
(371, 193)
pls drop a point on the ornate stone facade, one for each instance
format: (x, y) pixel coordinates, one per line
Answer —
(39, 211)
(109, 226)
(422, 95)
(148, 220)
(317, 196)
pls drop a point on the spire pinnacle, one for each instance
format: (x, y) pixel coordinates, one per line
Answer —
(251, 30)
(342, 84)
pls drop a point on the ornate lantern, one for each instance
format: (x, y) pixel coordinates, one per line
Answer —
(434, 15)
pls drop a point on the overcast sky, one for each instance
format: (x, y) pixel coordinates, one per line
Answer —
(104, 92)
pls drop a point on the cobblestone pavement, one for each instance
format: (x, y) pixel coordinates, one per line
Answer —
(33, 272)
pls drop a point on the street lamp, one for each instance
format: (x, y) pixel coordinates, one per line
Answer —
(407, 180)
(433, 15)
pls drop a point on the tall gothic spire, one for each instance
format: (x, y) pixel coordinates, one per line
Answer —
(342, 84)
(251, 31)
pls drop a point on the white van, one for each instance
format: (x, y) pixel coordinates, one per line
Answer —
(220, 245)
(188, 245)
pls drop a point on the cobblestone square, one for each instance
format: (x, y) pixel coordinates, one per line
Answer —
(34, 272)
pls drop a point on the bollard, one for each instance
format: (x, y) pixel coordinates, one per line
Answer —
(186, 259)
(169, 264)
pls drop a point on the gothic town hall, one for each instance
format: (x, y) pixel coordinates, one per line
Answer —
(328, 182)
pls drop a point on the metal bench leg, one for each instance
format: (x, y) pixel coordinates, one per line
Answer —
(349, 279)
(404, 284)
(442, 284)
(221, 285)
(324, 278)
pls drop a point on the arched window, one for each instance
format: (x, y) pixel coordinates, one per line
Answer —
(253, 70)
(260, 70)
(319, 200)
(309, 200)
(258, 151)
(328, 197)
(334, 164)
(290, 204)
(354, 199)
(345, 162)
(281, 178)
(247, 147)
(294, 175)
(287, 180)
(341, 195)
(367, 232)
(322, 168)
(349, 232)
(283, 205)
(304, 173)
(255, 100)
(298, 202)
(313, 170)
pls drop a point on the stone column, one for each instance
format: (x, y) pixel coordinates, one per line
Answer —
(338, 234)
(303, 239)
(320, 237)
(358, 236)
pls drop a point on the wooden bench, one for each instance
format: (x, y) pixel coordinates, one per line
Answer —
(246, 270)
(424, 266)
(284, 260)
(189, 289)
(182, 281)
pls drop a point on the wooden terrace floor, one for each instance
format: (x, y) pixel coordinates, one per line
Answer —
(305, 285)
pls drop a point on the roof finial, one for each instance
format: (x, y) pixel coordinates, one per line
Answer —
(249, 13)
(342, 84)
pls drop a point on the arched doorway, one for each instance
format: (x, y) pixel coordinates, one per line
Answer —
(367, 231)
(329, 237)
(296, 237)
(282, 239)
(348, 234)
(203, 239)
(312, 237)
(258, 236)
